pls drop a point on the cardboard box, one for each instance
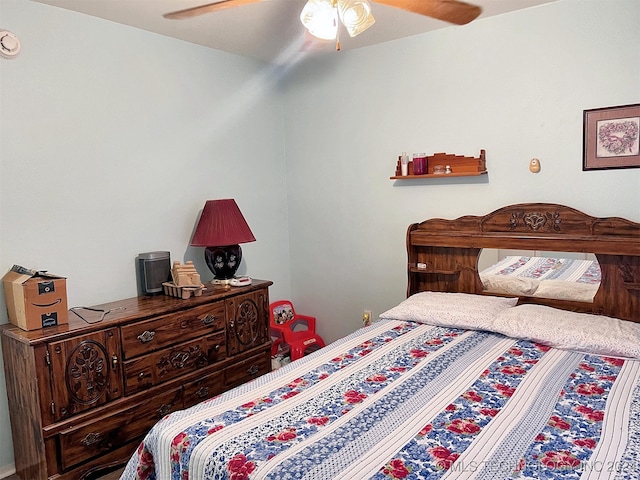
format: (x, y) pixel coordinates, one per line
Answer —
(35, 299)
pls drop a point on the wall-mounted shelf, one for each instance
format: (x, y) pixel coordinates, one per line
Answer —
(438, 175)
(458, 165)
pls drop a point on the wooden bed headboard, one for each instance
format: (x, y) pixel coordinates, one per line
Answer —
(443, 254)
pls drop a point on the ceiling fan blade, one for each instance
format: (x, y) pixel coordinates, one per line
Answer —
(452, 11)
(210, 7)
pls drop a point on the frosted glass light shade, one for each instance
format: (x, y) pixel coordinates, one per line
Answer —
(355, 15)
(320, 18)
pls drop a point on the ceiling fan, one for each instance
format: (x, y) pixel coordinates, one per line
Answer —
(320, 17)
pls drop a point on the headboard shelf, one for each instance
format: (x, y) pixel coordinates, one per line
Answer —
(448, 250)
(548, 243)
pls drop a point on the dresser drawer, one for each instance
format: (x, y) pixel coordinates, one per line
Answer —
(204, 388)
(89, 440)
(143, 337)
(247, 370)
(157, 367)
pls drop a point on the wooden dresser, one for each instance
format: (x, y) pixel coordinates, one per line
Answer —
(82, 395)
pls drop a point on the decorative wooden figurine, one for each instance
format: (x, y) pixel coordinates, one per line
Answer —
(186, 281)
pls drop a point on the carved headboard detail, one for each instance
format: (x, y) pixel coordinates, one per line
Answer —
(443, 254)
(536, 221)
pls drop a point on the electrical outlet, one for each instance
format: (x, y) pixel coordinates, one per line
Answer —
(366, 318)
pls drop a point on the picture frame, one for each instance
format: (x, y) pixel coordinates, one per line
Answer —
(611, 137)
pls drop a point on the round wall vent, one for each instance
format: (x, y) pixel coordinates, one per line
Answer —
(9, 44)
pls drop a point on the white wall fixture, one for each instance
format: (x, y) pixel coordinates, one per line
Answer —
(9, 44)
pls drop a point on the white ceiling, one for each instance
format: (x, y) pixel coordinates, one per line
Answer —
(269, 30)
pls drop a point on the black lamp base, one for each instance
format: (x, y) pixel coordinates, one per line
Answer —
(223, 262)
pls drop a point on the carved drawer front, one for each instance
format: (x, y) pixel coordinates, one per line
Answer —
(157, 367)
(206, 387)
(144, 337)
(247, 321)
(247, 370)
(85, 372)
(83, 442)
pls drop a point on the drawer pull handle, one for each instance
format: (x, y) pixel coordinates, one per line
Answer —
(217, 348)
(114, 361)
(146, 336)
(202, 392)
(141, 376)
(253, 370)
(90, 439)
(208, 319)
(165, 409)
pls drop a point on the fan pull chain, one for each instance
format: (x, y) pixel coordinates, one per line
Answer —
(334, 5)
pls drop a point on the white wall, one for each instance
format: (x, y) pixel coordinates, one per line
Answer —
(111, 139)
(515, 85)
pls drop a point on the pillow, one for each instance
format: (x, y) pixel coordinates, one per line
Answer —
(583, 332)
(559, 289)
(509, 285)
(459, 310)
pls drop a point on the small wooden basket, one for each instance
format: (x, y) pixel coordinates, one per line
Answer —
(183, 292)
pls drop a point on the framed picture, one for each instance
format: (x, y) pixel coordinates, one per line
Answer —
(611, 138)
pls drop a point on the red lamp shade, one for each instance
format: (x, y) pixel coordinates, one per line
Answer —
(221, 229)
(221, 223)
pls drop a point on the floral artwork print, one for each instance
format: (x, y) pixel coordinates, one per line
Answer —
(618, 137)
(611, 137)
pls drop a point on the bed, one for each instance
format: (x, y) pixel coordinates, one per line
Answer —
(451, 382)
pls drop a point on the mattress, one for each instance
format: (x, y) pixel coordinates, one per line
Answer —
(414, 397)
(559, 278)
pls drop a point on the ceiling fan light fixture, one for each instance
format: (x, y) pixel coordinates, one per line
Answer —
(355, 15)
(320, 18)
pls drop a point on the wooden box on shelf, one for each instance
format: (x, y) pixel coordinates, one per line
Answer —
(459, 166)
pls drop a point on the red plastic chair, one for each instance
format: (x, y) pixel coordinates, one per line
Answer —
(285, 326)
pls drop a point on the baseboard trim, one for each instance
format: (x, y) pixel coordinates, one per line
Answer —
(7, 470)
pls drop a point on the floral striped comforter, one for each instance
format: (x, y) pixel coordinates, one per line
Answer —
(407, 400)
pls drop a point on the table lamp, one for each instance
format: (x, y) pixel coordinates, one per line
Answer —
(221, 229)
